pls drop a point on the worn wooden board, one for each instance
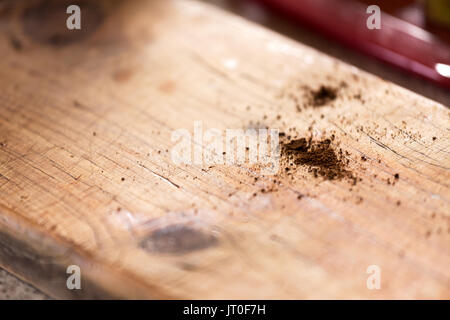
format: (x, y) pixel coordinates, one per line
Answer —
(87, 179)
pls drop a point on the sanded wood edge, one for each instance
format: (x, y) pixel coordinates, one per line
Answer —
(38, 266)
(42, 261)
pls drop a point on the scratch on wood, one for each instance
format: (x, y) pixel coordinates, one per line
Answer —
(402, 156)
(160, 176)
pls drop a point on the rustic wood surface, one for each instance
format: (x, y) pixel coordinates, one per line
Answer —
(86, 176)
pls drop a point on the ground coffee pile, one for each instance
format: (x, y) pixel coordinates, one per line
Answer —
(318, 156)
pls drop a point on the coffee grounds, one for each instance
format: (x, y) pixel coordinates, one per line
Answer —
(323, 95)
(319, 156)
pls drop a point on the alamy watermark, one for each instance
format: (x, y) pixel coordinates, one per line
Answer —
(374, 280)
(73, 22)
(229, 147)
(374, 20)
(74, 280)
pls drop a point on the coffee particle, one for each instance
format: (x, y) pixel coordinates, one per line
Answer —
(323, 95)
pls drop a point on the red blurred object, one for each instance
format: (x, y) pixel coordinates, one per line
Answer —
(398, 42)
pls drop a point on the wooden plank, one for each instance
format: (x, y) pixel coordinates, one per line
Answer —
(87, 178)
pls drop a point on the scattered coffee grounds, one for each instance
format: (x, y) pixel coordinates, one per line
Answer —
(305, 96)
(318, 156)
(323, 95)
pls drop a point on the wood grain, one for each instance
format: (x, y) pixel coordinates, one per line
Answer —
(86, 175)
